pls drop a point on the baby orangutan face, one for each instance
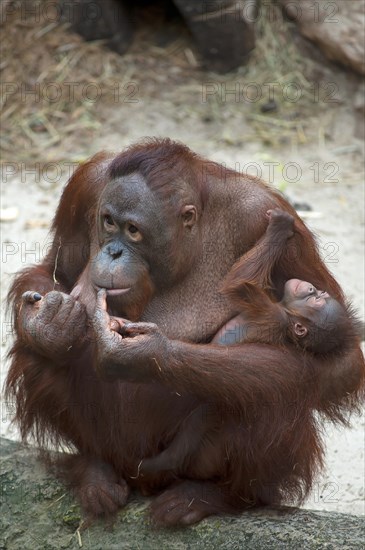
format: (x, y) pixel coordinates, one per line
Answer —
(300, 294)
(303, 300)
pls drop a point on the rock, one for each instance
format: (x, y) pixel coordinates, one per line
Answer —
(223, 31)
(37, 512)
(100, 20)
(337, 27)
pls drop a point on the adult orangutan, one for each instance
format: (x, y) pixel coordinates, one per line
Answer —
(156, 229)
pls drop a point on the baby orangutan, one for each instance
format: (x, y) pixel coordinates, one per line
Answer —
(304, 317)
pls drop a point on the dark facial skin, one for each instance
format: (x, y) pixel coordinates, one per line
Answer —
(122, 264)
(122, 218)
(135, 238)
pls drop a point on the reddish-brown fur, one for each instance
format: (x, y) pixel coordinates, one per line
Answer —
(267, 447)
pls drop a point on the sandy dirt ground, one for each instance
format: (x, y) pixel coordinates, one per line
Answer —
(310, 149)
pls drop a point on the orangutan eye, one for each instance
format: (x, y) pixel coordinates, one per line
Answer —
(108, 221)
(133, 232)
